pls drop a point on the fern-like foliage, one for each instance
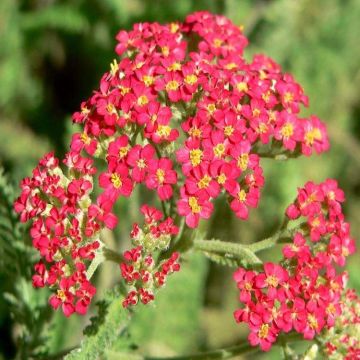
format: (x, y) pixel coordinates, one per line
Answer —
(107, 327)
(27, 308)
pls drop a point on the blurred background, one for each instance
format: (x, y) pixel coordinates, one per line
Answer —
(52, 55)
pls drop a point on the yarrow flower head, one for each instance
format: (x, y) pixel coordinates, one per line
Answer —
(304, 292)
(184, 115)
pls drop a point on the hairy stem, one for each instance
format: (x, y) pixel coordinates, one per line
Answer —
(246, 252)
(239, 250)
(112, 255)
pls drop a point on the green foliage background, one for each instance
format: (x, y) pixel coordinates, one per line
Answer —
(52, 55)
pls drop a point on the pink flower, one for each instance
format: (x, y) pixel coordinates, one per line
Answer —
(200, 183)
(119, 149)
(243, 200)
(64, 297)
(83, 141)
(296, 316)
(274, 276)
(263, 335)
(116, 181)
(151, 214)
(102, 212)
(231, 125)
(225, 174)
(154, 115)
(242, 157)
(161, 177)
(190, 156)
(315, 136)
(139, 158)
(288, 130)
(194, 208)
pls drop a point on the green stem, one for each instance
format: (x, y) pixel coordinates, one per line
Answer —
(246, 252)
(112, 255)
(281, 236)
(239, 250)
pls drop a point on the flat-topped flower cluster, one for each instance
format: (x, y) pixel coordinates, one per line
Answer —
(184, 115)
(303, 293)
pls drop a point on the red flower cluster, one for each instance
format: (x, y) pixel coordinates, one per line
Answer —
(227, 109)
(183, 113)
(304, 292)
(65, 228)
(343, 341)
(140, 269)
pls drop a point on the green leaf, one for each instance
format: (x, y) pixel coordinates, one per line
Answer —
(105, 329)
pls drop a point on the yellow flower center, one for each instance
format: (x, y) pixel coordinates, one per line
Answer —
(272, 116)
(196, 157)
(345, 251)
(165, 51)
(110, 108)
(256, 112)
(172, 85)
(221, 179)
(176, 66)
(124, 90)
(85, 110)
(262, 75)
(142, 100)
(242, 86)
(228, 130)
(315, 222)
(247, 286)
(211, 108)
(312, 135)
(331, 195)
(174, 27)
(266, 96)
(288, 97)
(61, 295)
(217, 42)
(141, 164)
(191, 79)
(219, 150)
(272, 281)
(123, 151)
(331, 309)
(204, 182)
(230, 66)
(153, 118)
(241, 195)
(312, 321)
(334, 285)
(195, 132)
(264, 331)
(262, 128)
(163, 130)
(287, 130)
(148, 80)
(194, 205)
(116, 181)
(85, 138)
(160, 174)
(243, 161)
